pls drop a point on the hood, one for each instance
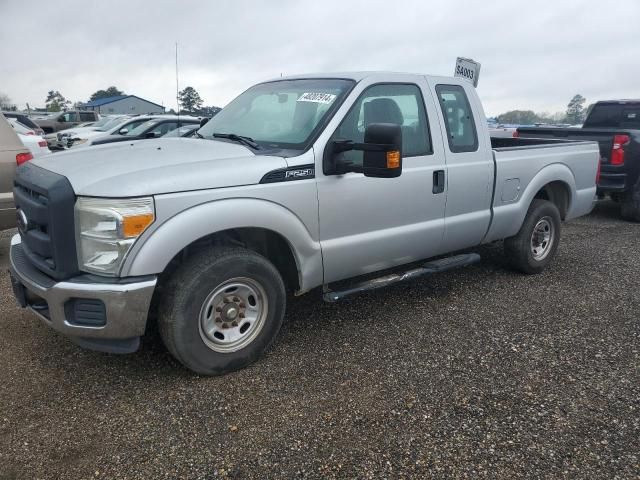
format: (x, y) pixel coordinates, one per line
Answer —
(153, 167)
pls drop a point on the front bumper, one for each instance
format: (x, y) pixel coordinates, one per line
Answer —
(112, 313)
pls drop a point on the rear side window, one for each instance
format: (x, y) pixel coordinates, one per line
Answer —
(613, 115)
(458, 117)
(87, 116)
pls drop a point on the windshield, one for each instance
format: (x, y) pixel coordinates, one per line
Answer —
(112, 122)
(102, 121)
(179, 132)
(140, 129)
(281, 114)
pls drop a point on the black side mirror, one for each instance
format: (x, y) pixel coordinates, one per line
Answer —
(385, 161)
(382, 157)
(203, 122)
(150, 135)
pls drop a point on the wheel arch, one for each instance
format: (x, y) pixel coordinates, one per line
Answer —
(259, 225)
(555, 183)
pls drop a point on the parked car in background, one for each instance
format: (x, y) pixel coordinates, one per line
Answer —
(12, 154)
(184, 131)
(24, 120)
(615, 125)
(298, 183)
(64, 138)
(37, 145)
(63, 120)
(502, 131)
(154, 128)
(20, 128)
(118, 127)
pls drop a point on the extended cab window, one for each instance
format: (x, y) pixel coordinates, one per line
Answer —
(87, 116)
(458, 117)
(70, 117)
(401, 104)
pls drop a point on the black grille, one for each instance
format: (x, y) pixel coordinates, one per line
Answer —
(44, 200)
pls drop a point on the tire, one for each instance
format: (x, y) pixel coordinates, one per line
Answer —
(630, 206)
(211, 299)
(532, 255)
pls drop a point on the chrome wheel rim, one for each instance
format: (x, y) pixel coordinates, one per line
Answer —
(542, 238)
(233, 315)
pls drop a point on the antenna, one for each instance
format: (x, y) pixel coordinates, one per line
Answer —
(177, 88)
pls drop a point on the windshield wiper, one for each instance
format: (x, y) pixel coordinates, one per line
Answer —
(247, 141)
(199, 136)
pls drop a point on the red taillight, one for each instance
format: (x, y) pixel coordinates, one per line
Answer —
(42, 143)
(516, 134)
(617, 151)
(23, 157)
(598, 171)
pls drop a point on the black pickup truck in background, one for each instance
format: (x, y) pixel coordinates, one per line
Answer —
(615, 125)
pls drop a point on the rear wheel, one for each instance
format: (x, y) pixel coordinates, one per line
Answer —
(630, 206)
(224, 308)
(535, 245)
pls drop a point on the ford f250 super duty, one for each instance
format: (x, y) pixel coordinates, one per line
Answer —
(298, 183)
(615, 125)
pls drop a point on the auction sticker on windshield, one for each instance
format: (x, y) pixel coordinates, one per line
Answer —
(317, 97)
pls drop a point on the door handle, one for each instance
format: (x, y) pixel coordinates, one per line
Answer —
(438, 181)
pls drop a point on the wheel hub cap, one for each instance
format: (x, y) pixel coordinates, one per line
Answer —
(233, 314)
(542, 238)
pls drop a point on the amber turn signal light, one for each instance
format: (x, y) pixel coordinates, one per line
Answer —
(134, 225)
(393, 159)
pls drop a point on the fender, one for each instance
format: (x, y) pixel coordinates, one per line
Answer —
(509, 217)
(153, 252)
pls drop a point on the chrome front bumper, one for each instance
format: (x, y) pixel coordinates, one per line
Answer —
(126, 303)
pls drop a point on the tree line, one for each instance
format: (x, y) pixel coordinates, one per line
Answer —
(575, 114)
(189, 99)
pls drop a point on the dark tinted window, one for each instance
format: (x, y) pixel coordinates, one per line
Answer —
(613, 115)
(390, 103)
(23, 119)
(87, 116)
(461, 129)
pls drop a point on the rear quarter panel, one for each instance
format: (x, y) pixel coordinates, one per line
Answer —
(522, 172)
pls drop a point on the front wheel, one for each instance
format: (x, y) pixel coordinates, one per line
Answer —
(222, 310)
(535, 245)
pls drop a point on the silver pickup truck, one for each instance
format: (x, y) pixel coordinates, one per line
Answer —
(298, 183)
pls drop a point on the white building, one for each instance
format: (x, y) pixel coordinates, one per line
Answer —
(123, 104)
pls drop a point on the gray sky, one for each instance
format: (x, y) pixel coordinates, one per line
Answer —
(534, 55)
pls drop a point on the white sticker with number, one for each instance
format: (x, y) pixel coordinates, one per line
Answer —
(317, 97)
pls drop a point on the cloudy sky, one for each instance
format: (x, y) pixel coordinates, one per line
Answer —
(534, 55)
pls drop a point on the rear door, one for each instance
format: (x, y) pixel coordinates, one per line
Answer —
(470, 165)
(369, 224)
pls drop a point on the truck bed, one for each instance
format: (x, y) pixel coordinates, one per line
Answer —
(572, 165)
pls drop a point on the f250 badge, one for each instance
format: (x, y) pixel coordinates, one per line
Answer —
(299, 174)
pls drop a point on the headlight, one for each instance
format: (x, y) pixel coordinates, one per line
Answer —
(106, 228)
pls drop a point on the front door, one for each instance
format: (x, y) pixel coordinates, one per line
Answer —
(369, 224)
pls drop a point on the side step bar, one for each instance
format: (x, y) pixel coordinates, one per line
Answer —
(436, 266)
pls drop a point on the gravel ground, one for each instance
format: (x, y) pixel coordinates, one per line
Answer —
(480, 372)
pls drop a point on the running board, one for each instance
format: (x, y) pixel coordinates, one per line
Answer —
(436, 266)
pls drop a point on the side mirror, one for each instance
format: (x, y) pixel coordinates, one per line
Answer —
(151, 135)
(382, 153)
(123, 131)
(61, 119)
(384, 161)
(203, 122)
